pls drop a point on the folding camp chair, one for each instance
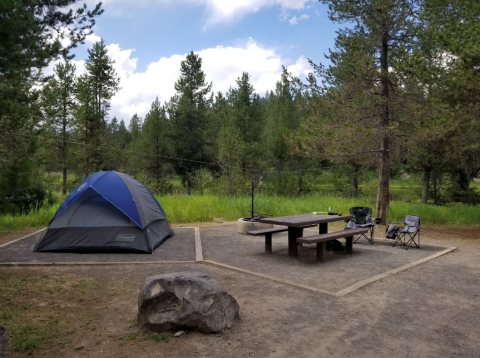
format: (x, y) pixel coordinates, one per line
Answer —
(410, 232)
(362, 218)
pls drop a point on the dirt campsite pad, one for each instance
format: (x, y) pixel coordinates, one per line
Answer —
(428, 310)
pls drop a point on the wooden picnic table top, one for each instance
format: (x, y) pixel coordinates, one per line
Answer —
(304, 219)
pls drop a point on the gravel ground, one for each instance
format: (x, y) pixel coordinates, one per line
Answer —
(180, 247)
(430, 310)
(338, 271)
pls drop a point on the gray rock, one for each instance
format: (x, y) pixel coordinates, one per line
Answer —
(180, 300)
(179, 333)
(3, 342)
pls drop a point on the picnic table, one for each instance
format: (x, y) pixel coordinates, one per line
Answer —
(294, 222)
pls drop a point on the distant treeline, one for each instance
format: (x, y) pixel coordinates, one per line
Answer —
(402, 93)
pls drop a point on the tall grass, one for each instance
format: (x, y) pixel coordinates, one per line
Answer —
(181, 209)
(40, 217)
(208, 208)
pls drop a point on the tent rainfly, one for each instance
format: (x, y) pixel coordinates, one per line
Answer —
(107, 212)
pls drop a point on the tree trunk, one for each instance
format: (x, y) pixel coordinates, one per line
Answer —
(356, 169)
(384, 168)
(64, 184)
(64, 167)
(355, 186)
(383, 181)
(426, 182)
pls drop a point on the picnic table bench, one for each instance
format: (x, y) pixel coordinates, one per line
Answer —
(269, 232)
(322, 239)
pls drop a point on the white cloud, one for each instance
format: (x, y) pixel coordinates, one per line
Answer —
(124, 65)
(218, 10)
(79, 67)
(222, 66)
(300, 68)
(91, 38)
(294, 20)
(222, 10)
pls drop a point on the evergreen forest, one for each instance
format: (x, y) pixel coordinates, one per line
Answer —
(401, 94)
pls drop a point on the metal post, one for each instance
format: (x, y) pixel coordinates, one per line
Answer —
(253, 192)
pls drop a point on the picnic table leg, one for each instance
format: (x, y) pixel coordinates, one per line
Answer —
(268, 242)
(323, 228)
(292, 241)
(321, 248)
(299, 234)
(349, 245)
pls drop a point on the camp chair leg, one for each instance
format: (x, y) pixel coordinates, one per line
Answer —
(268, 243)
(398, 238)
(366, 236)
(412, 239)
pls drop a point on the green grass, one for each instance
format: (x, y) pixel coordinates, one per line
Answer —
(27, 342)
(39, 217)
(182, 209)
(210, 208)
(160, 337)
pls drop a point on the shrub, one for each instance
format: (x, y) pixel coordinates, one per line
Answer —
(29, 199)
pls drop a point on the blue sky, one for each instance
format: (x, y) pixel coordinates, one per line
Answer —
(149, 38)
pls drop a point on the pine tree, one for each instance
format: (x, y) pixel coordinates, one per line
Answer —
(188, 114)
(217, 116)
(118, 140)
(114, 154)
(90, 131)
(456, 87)
(134, 147)
(96, 87)
(281, 119)
(155, 142)
(58, 105)
(28, 34)
(124, 135)
(102, 78)
(31, 33)
(247, 114)
(20, 116)
(365, 63)
(230, 153)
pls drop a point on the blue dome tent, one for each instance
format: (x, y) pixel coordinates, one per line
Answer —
(107, 212)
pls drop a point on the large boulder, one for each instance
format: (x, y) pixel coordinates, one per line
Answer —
(3, 342)
(182, 300)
